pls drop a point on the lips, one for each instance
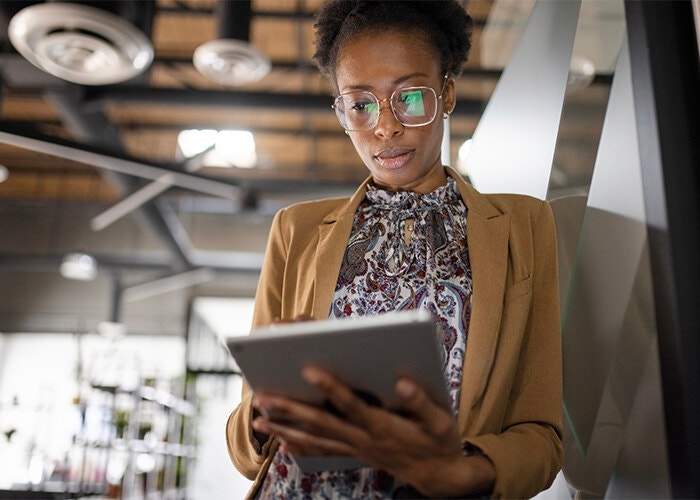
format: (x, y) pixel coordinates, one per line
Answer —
(394, 157)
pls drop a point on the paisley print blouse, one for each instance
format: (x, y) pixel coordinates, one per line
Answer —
(406, 251)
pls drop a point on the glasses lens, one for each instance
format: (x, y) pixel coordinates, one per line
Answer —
(357, 110)
(414, 106)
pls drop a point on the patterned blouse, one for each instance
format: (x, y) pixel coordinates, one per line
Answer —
(406, 251)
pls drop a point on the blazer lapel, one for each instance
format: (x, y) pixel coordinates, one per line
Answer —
(487, 237)
(333, 236)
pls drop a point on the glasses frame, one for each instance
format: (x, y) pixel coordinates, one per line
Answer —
(390, 99)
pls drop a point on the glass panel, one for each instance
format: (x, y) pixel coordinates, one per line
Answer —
(612, 390)
(513, 145)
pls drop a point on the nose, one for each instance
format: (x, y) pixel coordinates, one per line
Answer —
(387, 124)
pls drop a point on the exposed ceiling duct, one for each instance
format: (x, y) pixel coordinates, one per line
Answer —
(80, 43)
(231, 59)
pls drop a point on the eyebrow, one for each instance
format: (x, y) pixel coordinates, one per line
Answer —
(397, 81)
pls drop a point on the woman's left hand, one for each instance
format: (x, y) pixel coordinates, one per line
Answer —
(421, 446)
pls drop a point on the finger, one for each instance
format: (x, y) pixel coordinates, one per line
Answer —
(433, 418)
(298, 440)
(274, 407)
(312, 419)
(344, 400)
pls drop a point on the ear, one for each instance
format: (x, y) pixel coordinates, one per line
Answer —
(449, 97)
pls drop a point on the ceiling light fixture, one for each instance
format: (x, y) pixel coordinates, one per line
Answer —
(80, 44)
(195, 141)
(231, 59)
(231, 62)
(111, 330)
(227, 148)
(79, 266)
(237, 147)
(581, 73)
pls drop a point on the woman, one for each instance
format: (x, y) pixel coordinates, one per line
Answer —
(414, 235)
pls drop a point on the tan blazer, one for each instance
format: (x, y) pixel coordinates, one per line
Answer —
(511, 399)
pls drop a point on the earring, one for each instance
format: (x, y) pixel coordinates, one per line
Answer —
(446, 114)
(346, 132)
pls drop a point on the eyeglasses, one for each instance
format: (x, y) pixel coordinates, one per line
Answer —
(411, 106)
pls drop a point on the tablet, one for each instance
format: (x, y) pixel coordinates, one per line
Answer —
(368, 353)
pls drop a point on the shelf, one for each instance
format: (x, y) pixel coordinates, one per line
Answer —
(139, 438)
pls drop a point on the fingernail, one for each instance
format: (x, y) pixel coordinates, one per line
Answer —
(405, 388)
(260, 425)
(311, 376)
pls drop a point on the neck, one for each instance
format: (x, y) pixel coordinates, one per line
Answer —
(432, 180)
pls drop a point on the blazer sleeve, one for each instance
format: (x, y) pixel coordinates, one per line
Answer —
(247, 455)
(527, 453)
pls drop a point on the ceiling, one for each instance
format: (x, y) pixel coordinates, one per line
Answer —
(96, 145)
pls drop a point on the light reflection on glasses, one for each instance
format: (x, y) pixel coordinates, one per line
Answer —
(411, 106)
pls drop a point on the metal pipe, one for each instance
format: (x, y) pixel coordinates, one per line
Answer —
(234, 19)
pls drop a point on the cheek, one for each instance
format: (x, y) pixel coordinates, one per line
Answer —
(430, 136)
(360, 144)
(436, 135)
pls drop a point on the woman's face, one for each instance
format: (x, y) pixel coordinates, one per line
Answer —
(398, 157)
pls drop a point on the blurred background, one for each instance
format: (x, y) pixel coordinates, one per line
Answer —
(144, 148)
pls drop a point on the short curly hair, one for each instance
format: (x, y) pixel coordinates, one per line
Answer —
(445, 23)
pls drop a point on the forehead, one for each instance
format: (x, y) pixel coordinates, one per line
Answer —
(380, 55)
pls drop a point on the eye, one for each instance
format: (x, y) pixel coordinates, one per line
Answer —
(410, 102)
(358, 106)
(363, 106)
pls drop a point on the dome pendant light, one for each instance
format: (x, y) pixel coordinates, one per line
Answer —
(79, 43)
(79, 266)
(231, 59)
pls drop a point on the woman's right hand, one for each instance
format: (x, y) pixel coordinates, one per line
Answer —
(261, 437)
